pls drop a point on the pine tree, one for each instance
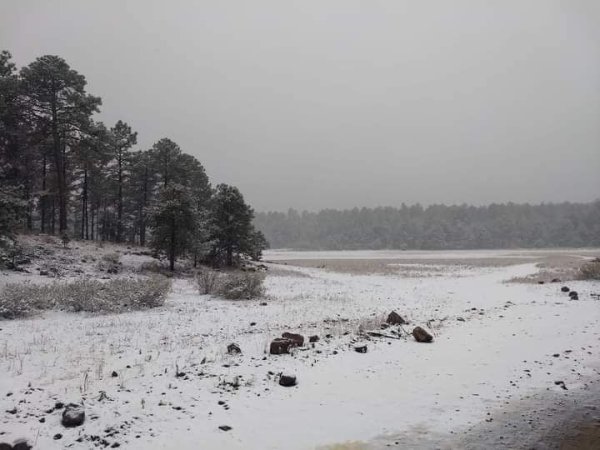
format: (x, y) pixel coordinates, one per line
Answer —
(173, 220)
(60, 108)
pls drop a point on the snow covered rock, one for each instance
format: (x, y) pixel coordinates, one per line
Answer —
(73, 416)
(395, 319)
(233, 349)
(297, 339)
(421, 335)
(280, 346)
(287, 380)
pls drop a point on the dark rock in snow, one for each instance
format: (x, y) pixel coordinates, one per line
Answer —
(574, 295)
(564, 289)
(5, 446)
(360, 349)
(57, 436)
(114, 374)
(21, 444)
(73, 416)
(555, 280)
(225, 427)
(314, 338)
(540, 282)
(280, 346)
(561, 384)
(297, 339)
(287, 380)
(395, 319)
(233, 349)
(421, 335)
(460, 319)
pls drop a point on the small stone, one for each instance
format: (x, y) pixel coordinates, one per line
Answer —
(280, 346)
(233, 349)
(114, 374)
(21, 444)
(395, 319)
(287, 380)
(57, 436)
(360, 349)
(421, 335)
(297, 339)
(225, 427)
(73, 416)
(564, 289)
(314, 338)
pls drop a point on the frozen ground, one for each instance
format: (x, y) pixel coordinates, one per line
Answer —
(497, 345)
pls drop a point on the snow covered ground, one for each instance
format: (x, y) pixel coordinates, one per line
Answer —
(174, 385)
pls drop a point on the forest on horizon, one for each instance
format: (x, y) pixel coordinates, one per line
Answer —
(435, 227)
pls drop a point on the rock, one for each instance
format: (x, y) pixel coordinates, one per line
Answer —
(73, 416)
(233, 349)
(287, 380)
(395, 319)
(114, 374)
(297, 339)
(573, 294)
(263, 304)
(561, 384)
(225, 427)
(421, 335)
(21, 444)
(314, 338)
(540, 282)
(5, 446)
(574, 297)
(360, 348)
(564, 289)
(460, 319)
(57, 436)
(280, 346)
(555, 280)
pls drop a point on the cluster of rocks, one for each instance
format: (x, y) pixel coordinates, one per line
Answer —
(573, 295)
(19, 444)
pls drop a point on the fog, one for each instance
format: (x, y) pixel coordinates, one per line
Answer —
(345, 103)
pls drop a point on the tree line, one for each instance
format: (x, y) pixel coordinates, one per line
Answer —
(436, 227)
(63, 172)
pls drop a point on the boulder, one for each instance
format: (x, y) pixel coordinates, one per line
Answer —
(314, 338)
(233, 349)
(297, 339)
(21, 444)
(73, 416)
(5, 446)
(395, 319)
(360, 348)
(421, 335)
(564, 289)
(573, 295)
(287, 380)
(280, 346)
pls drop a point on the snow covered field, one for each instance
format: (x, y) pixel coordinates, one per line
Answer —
(162, 378)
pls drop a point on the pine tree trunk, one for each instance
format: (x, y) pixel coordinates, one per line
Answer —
(172, 246)
(43, 200)
(120, 198)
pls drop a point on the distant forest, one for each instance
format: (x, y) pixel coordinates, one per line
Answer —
(436, 227)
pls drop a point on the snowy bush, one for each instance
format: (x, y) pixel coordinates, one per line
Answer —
(231, 285)
(590, 270)
(245, 285)
(110, 263)
(209, 281)
(17, 300)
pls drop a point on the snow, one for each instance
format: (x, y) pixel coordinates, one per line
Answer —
(503, 352)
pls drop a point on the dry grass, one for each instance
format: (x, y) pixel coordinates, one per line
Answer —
(18, 299)
(231, 285)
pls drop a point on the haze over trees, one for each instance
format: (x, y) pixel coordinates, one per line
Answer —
(436, 227)
(63, 172)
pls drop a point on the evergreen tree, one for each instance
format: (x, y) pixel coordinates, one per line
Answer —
(231, 229)
(60, 108)
(173, 220)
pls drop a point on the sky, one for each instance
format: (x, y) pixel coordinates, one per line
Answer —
(344, 103)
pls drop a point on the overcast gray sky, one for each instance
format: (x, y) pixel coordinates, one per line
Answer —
(313, 104)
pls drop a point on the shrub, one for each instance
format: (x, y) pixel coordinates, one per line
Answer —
(231, 285)
(245, 285)
(590, 270)
(110, 263)
(209, 281)
(17, 300)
